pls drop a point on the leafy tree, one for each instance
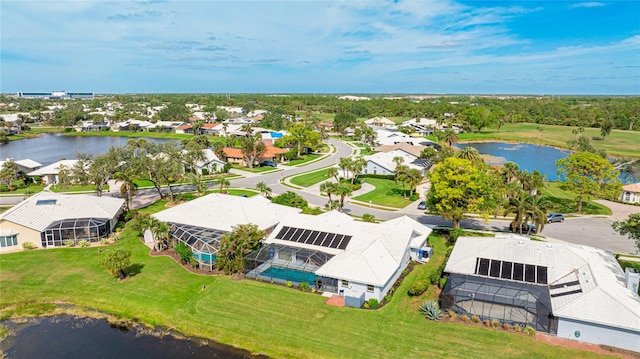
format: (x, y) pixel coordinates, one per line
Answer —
(264, 189)
(196, 180)
(589, 174)
(290, 199)
(342, 121)
(459, 186)
(251, 149)
(174, 112)
(605, 129)
(184, 252)
(299, 136)
(629, 227)
(115, 261)
(479, 117)
(234, 246)
(9, 173)
(160, 163)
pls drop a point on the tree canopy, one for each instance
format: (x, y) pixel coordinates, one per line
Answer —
(629, 227)
(235, 245)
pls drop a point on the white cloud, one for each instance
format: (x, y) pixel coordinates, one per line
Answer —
(586, 4)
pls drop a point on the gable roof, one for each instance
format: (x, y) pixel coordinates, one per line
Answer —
(385, 159)
(597, 273)
(232, 152)
(53, 169)
(406, 147)
(31, 213)
(26, 163)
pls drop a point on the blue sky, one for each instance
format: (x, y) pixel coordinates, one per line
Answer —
(523, 47)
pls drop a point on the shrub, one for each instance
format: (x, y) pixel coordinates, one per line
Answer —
(289, 284)
(452, 314)
(373, 303)
(434, 277)
(313, 290)
(365, 305)
(487, 322)
(304, 286)
(115, 237)
(405, 272)
(387, 298)
(184, 252)
(455, 233)
(418, 287)
(464, 318)
(495, 323)
(475, 318)
(84, 243)
(529, 330)
(69, 243)
(413, 197)
(104, 241)
(205, 171)
(431, 310)
(506, 326)
(517, 328)
(194, 262)
(28, 246)
(443, 282)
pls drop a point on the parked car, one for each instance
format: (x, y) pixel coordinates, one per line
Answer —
(269, 164)
(526, 227)
(422, 205)
(555, 217)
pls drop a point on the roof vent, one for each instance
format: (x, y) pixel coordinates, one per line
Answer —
(549, 245)
(520, 242)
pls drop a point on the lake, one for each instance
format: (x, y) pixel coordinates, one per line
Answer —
(528, 156)
(65, 336)
(50, 148)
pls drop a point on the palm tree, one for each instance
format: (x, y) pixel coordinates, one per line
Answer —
(398, 161)
(8, 173)
(509, 171)
(329, 188)
(540, 129)
(128, 187)
(518, 206)
(345, 165)
(223, 182)
(264, 189)
(401, 175)
(343, 190)
(537, 212)
(414, 177)
(196, 181)
(450, 137)
(333, 172)
(470, 154)
(357, 166)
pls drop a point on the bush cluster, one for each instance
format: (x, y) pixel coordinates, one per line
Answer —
(419, 287)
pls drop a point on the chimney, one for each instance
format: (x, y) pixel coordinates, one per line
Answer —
(631, 279)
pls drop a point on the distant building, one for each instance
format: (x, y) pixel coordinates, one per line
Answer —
(631, 193)
(57, 95)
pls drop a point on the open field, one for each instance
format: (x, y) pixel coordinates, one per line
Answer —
(387, 193)
(619, 143)
(261, 317)
(311, 178)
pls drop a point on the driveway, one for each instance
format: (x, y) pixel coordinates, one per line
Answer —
(620, 211)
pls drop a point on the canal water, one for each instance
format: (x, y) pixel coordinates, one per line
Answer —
(49, 148)
(70, 337)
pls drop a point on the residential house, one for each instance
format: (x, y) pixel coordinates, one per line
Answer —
(630, 193)
(210, 164)
(50, 174)
(185, 129)
(382, 163)
(388, 137)
(380, 122)
(234, 155)
(25, 166)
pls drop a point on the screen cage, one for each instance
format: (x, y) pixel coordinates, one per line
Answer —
(516, 303)
(203, 242)
(282, 264)
(76, 229)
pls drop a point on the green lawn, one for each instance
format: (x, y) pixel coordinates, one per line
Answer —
(34, 188)
(304, 159)
(176, 136)
(261, 317)
(84, 188)
(387, 193)
(256, 169)
(565, 201)
(311, 178)
(619, 143)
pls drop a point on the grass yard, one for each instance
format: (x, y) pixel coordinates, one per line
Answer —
(304, 159)
(565, 201)
(311, 178)
(618, 143)
(387, 193)
(34, 188)
(256, 169)
(261, 317)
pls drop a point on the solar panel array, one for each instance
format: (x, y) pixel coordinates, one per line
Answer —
(315, 238)
(509, 270)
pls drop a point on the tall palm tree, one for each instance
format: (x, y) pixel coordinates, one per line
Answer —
(343, 190)
(333, 172)
(196, 181)
(223, 182)
(537, 212)
(398, 161)
(450, 137)
(345, 165)
(518, 206)
(414, 177)
(128, 187)
(329, 188)
(509, 171)
(401, 175)
(470, 154)
(264, 189)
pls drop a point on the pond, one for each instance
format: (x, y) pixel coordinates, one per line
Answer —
(50, 148)
(528, 156)
(65, 336)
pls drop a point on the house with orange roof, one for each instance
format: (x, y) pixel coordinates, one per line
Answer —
(185, 129)
(234, 155)
(630, 193)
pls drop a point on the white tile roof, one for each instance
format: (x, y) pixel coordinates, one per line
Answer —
(603, 299)
(385, 159)
(26, 163)
(374, 253)
(53, 168)
(29, 214)
(222, 212)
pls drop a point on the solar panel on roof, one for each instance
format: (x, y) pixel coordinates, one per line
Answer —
(323, 238)
(566, 293)
(280, 234)
(345, 242)
(483, 267)
(494, 271)
(317, 238)
(331, 237)
(541, 277)
(518, 271)
(507, 270)
(530, 273)
(304, 238)
(296, 235)
(562, 285)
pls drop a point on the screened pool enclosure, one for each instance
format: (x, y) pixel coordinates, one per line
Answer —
(91, 229)
(514, 302)
(203, 242)
(282, 264)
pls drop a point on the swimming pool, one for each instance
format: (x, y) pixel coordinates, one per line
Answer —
(206, 258)
(289, 274)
